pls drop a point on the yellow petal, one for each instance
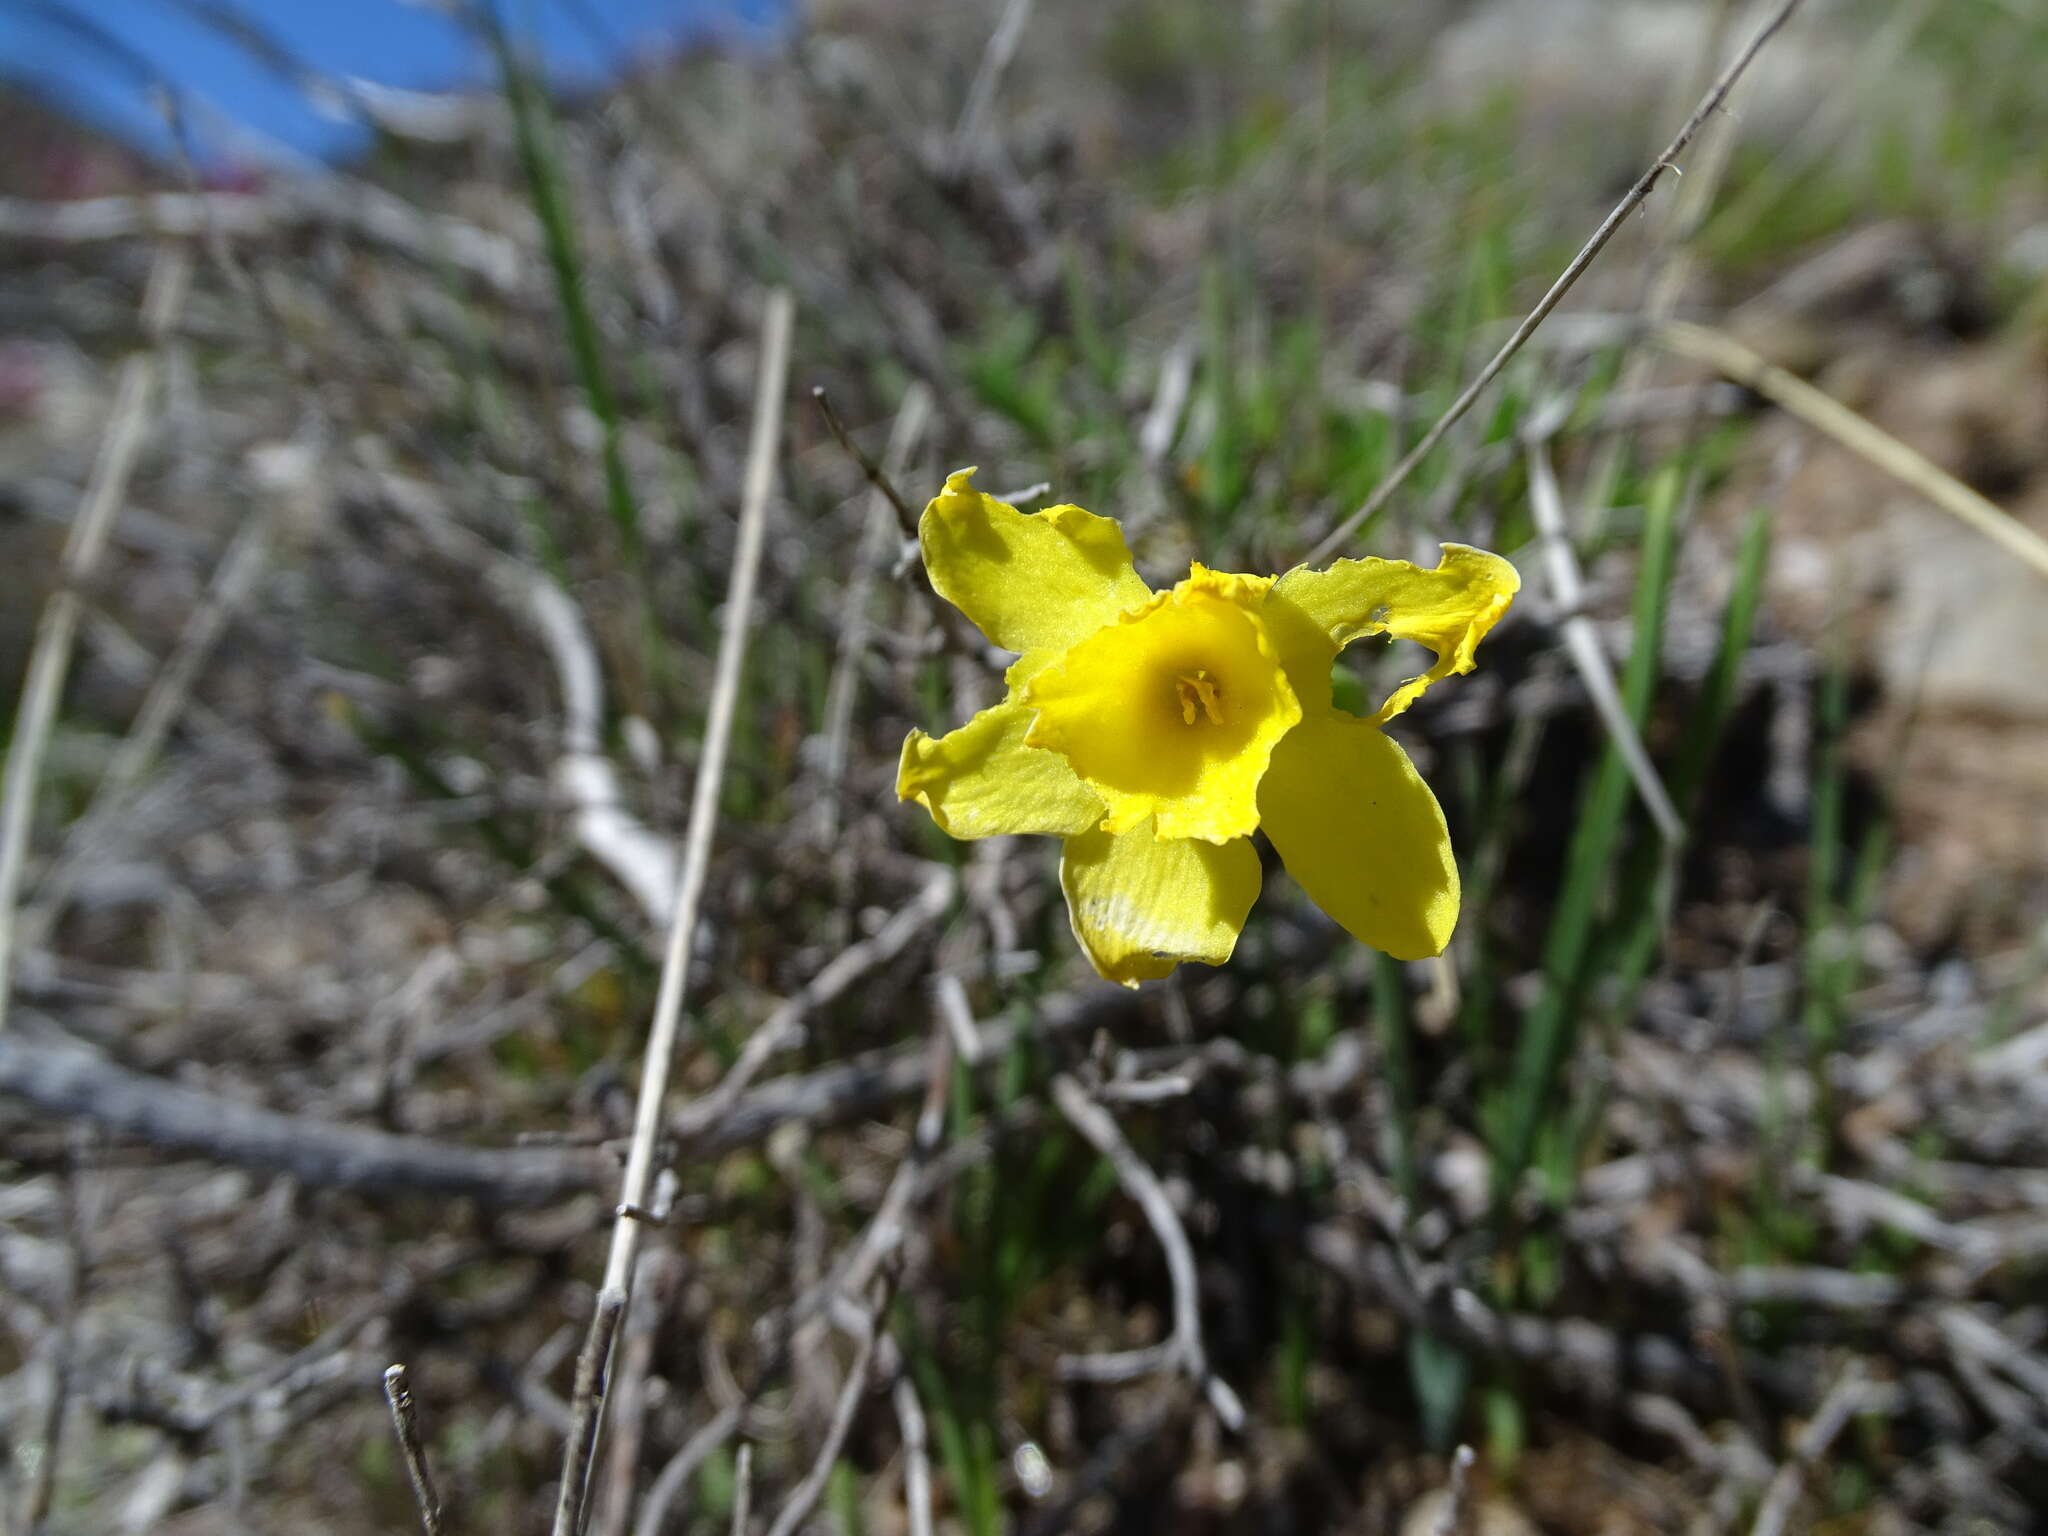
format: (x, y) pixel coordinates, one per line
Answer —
(1172, 711)
(1355, 824)
(1314, 614)
(1027, 580)
(1141, 905)
(1029, 665)
(982, 780)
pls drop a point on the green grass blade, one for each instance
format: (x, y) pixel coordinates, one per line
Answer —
(1551, 1030)
(1651, 884)
(1825, 932)
(533, 133)
(1717, 693)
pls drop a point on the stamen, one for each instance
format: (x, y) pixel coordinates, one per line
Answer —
(1198, 692)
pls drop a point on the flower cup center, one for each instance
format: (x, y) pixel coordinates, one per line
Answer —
(1171, 712)
(1198, 697)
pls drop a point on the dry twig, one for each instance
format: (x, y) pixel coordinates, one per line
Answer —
(1582, 641)
(586, 1405)
(743, 1490)
(63, 1346)
(1383, 492)
(1827, 415)
(807, 1493)
(876, 475)
(917, 1462)
(1671, 270)
(405, 1422)
(981, 92)
(848, 966)
(1851, 1394)
(1450, 1520)
(67, 1079)
(840, 694)
(1183, 1350)
(57, 631)
(233, 580)
(666, 1030)
(669, 1483)
(626, 1442)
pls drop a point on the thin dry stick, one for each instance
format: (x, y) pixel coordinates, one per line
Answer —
(1671, 273)
(1002, 47)
(833, 978)
(57, 631)
(1450, 1519)
(1708, 106)
(743, 1490)
(233, 579)
(666, 1030)
(661, 1273)
(812, 1488)
(1828, 415)
(905, 518)
(65, 1079)
(1184, 1349)
(1841, 1404)
(960, 635)
(886, 1229)
(587, 1397)
(1583, 643)
(357, 208)
(917, 1461)
(405, 1421)
(853, 623)
(1836, 114)
(42, 1486)
(669, 1482)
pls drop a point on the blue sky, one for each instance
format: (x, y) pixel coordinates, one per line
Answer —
(101, 59)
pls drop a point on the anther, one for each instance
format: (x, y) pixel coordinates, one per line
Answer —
(1198, 693)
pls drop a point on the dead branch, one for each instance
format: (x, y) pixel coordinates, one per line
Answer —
(368, 212)
(70, 1081)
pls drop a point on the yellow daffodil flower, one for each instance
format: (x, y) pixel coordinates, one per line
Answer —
(1155, 731)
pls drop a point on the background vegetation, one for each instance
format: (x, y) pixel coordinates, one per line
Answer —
(1704, 1187)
